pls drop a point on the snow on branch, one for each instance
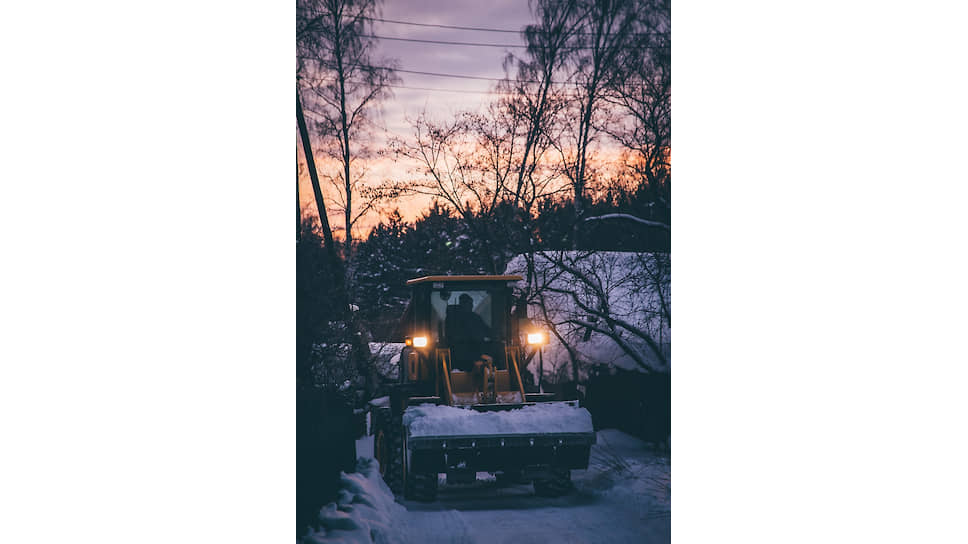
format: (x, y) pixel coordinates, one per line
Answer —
(600, 307)
(615, 336)
(646, 222)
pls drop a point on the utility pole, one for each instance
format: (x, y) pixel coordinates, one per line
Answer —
(314, 177)
(298, 210)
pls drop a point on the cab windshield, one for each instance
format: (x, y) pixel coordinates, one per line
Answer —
(446, 302)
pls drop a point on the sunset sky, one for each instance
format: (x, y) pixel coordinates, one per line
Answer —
(483, 62)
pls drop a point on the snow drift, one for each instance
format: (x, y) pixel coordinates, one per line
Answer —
(364, 512)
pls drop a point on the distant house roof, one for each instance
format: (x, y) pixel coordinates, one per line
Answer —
(463, 278)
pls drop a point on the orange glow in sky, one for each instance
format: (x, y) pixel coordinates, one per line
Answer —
(440, 98)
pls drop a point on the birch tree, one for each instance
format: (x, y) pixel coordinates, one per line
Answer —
(604, 35)
(345, 85)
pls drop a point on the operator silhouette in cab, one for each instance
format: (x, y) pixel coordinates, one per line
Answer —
(466, 333)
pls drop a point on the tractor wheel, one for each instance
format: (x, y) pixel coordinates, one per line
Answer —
(422, 486)
(557, 485)
(388, 448)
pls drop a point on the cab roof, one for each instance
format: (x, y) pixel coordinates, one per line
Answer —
(426, 279)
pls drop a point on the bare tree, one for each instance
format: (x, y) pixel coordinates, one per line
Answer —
(335, 62)
(606, 32)
(468, 163)
(629, 325)
(535, 95)
(320, 30)
(585, 298)
(644, 102)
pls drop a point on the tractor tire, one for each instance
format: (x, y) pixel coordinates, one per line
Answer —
(388, 448)
(557, 485)
(422, 486)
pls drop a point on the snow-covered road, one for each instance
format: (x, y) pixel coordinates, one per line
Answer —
(622, 497)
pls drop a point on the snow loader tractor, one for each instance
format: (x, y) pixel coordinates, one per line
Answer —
(460, 407)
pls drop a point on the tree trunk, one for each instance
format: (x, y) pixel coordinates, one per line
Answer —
(344, 146)
(348, 212)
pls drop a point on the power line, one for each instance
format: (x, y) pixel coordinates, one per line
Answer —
(418, 72)
(436, 89)
(459, 76)
(439, 42)
(500, 93)
(471, 28)
(437, 74)
(456, 76)
(443, 90)
(465, 91)
(476, 44)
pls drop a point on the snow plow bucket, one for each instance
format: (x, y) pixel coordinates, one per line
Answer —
(533, 439)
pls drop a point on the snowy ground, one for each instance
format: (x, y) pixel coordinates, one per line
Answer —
(624, 496)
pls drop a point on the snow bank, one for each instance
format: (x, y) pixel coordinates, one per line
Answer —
(364, 512)
(547, 417)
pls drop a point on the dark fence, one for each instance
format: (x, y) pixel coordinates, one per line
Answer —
(325, 445)
(635, 403)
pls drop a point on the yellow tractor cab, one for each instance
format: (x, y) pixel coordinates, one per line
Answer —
(460, 405)
(462, 345)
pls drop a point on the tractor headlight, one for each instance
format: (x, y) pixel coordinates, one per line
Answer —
(419, 341)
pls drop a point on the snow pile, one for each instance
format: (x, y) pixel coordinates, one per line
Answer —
(546, 417)
(364, 512)
(633, 289)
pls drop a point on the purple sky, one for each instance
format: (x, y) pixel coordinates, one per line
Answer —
(450, 59)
